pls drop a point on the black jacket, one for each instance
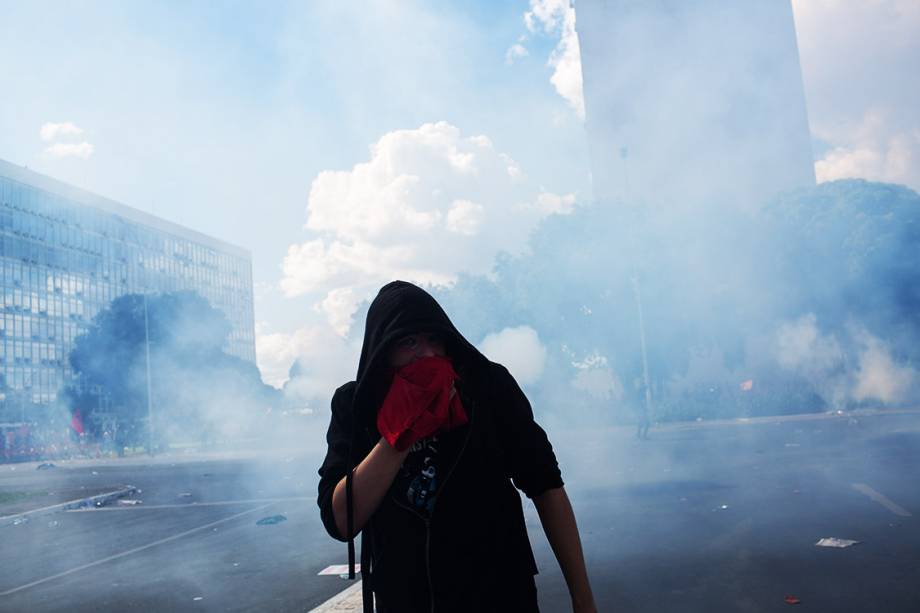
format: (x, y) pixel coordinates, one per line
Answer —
(472, 553)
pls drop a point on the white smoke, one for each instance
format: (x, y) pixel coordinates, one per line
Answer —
(519, 350)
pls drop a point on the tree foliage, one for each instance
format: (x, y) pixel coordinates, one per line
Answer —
(197, 389)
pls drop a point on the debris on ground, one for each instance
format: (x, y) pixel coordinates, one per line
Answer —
(185, 495)
(792, 600)
(129, 503)
(20, 520)
(835, 542)
(198, 598)
(95, 473)
(54, 524)
(270, 520)
(45, 466)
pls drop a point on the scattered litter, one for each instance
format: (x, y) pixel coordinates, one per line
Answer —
(20, 520)
(792, 600)
(723, 507)
(95, 473)
(54, 524)
(338, 569)
(272, 519)
(45, 466)
(793, 445)
(198, 598)
(129, 503)
(236, 563)
(796, 492)
(185, 495)
(835, 542)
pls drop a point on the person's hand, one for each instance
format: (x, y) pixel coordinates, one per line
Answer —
(422, 401)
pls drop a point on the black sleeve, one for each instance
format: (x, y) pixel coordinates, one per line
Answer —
(338, 439)
(533, 464)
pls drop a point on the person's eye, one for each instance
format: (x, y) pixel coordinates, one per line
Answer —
(407, 343)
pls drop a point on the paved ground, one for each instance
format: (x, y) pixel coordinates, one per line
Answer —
(709, 517)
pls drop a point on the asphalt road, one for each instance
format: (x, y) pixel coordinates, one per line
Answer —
(708, 517)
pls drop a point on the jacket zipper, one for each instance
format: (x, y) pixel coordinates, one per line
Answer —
(427, 520)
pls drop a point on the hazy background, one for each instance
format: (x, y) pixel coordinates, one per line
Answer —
(348, 144)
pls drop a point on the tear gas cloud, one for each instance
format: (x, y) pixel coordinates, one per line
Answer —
(762, 294)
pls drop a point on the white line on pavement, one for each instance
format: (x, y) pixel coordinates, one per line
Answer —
(191, 505)
(131, 551)
(349, 599)
(881, 499)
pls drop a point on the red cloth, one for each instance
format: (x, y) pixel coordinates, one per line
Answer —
(419, 403)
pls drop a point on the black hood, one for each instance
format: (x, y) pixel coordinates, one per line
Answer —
(402, 308)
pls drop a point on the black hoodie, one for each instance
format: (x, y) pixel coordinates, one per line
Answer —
(471, 553)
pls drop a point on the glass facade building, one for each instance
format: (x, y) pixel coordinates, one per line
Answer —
(65, 254)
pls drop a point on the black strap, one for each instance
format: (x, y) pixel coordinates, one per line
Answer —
(350, 513)
(367, 592)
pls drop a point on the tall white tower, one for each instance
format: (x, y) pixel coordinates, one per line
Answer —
(693, 101)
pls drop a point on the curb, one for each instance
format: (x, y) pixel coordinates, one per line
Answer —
(349, 599)
(81, 503)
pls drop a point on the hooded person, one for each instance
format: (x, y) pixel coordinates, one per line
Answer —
(427, 449)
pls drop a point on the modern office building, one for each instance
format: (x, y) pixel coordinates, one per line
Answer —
(66, 253)
(693, 100)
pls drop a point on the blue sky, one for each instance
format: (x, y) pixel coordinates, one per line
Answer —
(232, 117)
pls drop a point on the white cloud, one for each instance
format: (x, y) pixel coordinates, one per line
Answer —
(429, 204)
(79, 150)
(858, 62)
(546, 13)
(515, 52)
(50, 132)
(874, 150)
(328, 359)
(465, 217)
(557, 17)
(519, 350)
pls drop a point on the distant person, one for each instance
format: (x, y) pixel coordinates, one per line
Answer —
(423, 448)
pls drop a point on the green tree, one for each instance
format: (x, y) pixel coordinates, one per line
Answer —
(197, 389)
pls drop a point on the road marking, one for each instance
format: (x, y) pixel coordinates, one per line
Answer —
(131, 551)
(191, 505)
(881, 499)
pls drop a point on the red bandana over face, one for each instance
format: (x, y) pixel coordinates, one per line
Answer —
(420, 403)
